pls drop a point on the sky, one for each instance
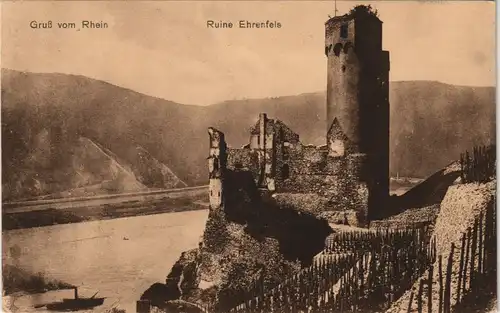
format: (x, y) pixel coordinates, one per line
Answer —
(164, 48)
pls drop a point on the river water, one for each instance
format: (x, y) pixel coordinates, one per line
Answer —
(119, 258)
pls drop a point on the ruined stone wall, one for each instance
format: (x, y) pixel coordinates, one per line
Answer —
(266, 152)
(305, 160)
(351, 171)
(280, 139)
(286, 134)
(217, 160)
(329, 184)
(310, 202)
(244, 159)
(313, 180)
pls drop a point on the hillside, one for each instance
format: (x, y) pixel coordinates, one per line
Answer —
(431, 122)
(45, 115)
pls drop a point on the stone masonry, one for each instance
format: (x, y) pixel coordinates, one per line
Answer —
(349, 175)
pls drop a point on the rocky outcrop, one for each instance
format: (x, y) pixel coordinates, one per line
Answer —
(251, 244)
(182, 306)
(461, 206)
(244, 265)
(158, 294)
(181, 280)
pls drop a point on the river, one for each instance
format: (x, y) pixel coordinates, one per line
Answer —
(119, 258)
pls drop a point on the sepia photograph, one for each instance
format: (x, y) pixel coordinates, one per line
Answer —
(248, 156)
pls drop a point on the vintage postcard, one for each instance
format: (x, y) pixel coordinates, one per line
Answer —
(248, 156)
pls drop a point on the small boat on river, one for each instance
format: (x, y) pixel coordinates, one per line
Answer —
(75, 304)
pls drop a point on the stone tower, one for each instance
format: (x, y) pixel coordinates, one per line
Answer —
(217, 160)
(357, 100)
(266, 154)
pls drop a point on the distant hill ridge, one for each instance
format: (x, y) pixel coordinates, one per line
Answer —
(165, 143)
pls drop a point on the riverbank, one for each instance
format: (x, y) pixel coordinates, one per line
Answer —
(119, 258)
(17, 280)
(103, 211)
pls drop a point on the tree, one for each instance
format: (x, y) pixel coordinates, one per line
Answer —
(363, 10)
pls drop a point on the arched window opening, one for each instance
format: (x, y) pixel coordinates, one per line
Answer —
(286, 152)
(286, 171)
(328, 49)
(337, 49)
(348, 46)
(344, 31)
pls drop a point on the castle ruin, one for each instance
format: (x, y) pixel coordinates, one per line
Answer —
(349, 175)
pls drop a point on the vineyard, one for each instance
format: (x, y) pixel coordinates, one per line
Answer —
(357, 271)
(397, 270)
(478, 166)
(463, 272)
